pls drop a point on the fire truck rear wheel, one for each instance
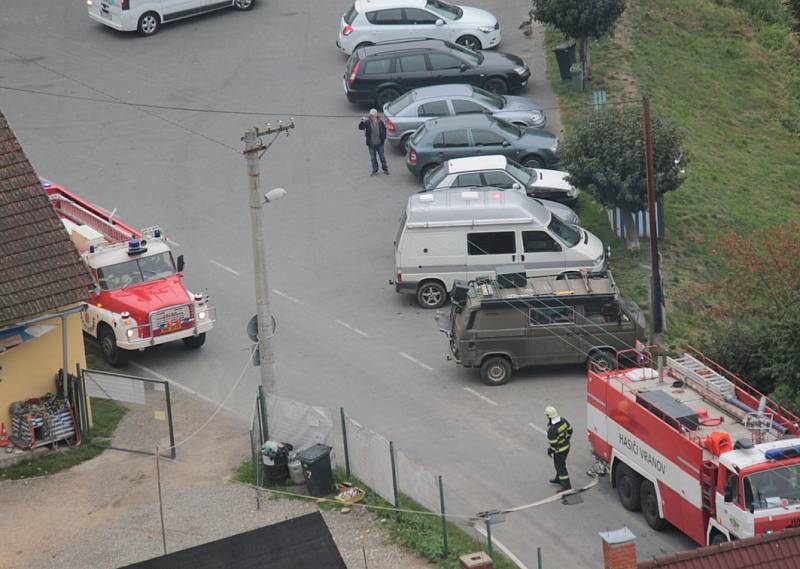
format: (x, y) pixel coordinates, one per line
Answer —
(628, 485)
(496, 370)
(650, 506)
(108, 344)
(195, 341)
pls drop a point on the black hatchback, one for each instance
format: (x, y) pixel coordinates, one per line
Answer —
(382, 72)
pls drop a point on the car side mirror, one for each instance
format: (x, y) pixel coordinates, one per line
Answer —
(181, 263)
(439, 22)
(463, 67)
(506, 143)
(516, 186)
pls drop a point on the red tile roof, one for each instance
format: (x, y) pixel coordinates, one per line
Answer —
(779, 550)
(40, 268)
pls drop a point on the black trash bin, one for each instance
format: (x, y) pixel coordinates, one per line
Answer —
(565, 56)
(316, 462)
(276, 471)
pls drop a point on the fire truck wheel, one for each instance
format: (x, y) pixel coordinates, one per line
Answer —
(108, 344)
(603, 360)
(628, 485)
(650, 506)
(195, 341)
(495, 371)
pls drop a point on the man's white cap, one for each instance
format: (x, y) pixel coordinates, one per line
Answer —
(373, 111)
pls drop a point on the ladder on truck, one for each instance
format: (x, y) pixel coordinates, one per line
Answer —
(689, 367)
(708, 483)
(71, 207)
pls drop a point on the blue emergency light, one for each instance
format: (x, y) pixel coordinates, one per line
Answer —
(782, 453)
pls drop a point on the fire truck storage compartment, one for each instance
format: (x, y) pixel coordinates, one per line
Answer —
(667, 408)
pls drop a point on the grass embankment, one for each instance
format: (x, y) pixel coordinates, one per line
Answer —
(421, 534)
(106, 413)
(727, 73)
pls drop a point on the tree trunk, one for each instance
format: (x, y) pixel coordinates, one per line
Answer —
(585, 60)
(631, 234)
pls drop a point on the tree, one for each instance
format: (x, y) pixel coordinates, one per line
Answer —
(794, 9)
(604, 156)
(581, 20)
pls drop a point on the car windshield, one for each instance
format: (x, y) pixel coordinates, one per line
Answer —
(519, 172)
(434, 177)
(567, 233)
(474, 57)
(140, 270)
(400, 103)
(444, 9)
(772, 488)
(507, 127)
(495, 101)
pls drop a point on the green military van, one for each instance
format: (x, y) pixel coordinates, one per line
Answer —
(513, 321)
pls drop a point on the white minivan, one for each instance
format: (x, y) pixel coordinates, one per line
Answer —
(463, 235)
(146, 16)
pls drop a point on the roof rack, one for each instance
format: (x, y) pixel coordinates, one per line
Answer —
(511, 283)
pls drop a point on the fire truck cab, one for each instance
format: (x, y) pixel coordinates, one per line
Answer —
(138, 299)
(694, 446)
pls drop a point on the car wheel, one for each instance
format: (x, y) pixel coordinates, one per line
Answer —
(431, 294)
(533, 162)
(469, 42)
(386, 96)
(112, 354)
(603, 360)
(496, 370)
(195, 341)
(496, 85)
(149, 24)
(426, 170)
(243, 4)
(405, 141)
(650, 506)
(629, 486)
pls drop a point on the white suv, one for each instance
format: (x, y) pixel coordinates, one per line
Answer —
(146, 16)
(372, 21)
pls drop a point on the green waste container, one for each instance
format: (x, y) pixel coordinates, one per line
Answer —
(576, 71)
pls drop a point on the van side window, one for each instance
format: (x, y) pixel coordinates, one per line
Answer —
(538, 242)
(496, 243)
(545, 315)
(471, 321)
(602, 311)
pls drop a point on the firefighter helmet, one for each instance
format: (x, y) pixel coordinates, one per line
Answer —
(550, 412)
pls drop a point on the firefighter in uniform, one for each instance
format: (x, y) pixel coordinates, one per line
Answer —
(559, 433)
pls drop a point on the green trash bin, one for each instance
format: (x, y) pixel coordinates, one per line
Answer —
(576, 71)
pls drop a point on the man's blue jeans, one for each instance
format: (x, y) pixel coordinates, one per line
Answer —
(377, 149)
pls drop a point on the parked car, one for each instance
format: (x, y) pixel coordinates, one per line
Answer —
(500, 172)
(407, 113)
(146, 16)
(368, 22)
(380, 73)
(440, 140)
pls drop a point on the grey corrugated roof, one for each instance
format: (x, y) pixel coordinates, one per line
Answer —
(40, 268)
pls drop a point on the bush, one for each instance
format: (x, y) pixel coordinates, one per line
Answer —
(794, 9)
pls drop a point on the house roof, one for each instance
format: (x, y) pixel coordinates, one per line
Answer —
(779, 550)
(40, 268)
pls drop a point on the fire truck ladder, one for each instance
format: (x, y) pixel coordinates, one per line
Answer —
(708, 483)
(693, 369)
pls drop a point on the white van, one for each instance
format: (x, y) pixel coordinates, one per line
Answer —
(146, 16)
(457, 234)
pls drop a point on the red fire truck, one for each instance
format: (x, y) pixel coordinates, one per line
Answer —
(695, 446)
(139, 299)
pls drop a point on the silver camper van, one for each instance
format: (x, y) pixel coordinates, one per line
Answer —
(460, 234)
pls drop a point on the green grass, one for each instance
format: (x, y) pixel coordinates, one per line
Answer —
(421, 534)
(107, 415)
(729, 79)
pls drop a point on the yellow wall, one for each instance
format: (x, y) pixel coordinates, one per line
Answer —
(30, 370)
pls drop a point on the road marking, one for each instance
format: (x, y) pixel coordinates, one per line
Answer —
(501, 547)
(224, 267)
(289, 298)
(416, 361)
(537, 428)
(476, 394)
(356, 330)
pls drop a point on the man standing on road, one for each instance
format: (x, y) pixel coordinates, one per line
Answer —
(375, 130)
(559, 433)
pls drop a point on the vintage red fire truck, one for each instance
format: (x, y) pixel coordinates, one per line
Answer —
(697, 447)
(139, 299)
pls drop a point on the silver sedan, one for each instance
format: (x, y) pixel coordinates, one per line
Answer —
(407, 113)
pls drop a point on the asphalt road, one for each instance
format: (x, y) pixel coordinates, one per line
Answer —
(344, 337)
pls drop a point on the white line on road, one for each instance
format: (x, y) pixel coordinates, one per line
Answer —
(416, 361)
(287, 297)
(537, 428)
(476, 394)
(501, 547)
(173, 242)
(224, 267)
(356, 330)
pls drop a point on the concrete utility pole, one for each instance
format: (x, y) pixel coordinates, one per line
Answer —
(254, 149)
(656, 294)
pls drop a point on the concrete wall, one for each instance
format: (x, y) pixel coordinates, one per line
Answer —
(30, 370)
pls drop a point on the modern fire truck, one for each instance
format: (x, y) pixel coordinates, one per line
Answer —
(139, 299)
(693, 445)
